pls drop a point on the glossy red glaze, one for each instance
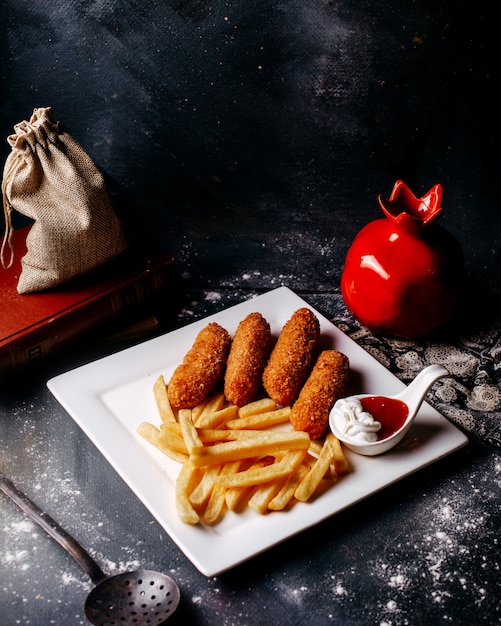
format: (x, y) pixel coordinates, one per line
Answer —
(389, 412)
(402, 273)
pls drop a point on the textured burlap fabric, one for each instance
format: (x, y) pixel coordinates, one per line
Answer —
(51, 179)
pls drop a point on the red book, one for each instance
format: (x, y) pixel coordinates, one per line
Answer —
(35, 325)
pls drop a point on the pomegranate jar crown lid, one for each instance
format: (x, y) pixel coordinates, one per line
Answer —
(404, 205)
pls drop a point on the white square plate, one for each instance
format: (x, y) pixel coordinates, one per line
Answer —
(109, 397)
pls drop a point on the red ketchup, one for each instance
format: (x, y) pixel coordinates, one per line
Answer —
(389, 412)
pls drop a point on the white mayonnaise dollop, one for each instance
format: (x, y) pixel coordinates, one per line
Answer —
(355, 423)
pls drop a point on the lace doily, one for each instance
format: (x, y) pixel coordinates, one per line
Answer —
(470, 397)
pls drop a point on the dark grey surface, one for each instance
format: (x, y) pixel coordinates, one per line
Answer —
(219, 120)
(424, 550)
(252, 140)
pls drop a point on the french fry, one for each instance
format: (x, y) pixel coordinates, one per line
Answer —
(232, 467)
(214, 435)
(315, 447)
(202, 491)
(286, 493)
(340, 461)
(261, 420)
(310, 482)
(148, 431)
(257, 475)
(216, 418)
(257, 406)
(215, 507)
(153, 435)
(172, 429)
(175, 455)
(190, 434)
(162, 400)
(215, 402)
(206, 435)
(217, 501)
(170, 436)
(197, 410)
(262, 444)
(184, 484)
(235, 495)
(264, 494)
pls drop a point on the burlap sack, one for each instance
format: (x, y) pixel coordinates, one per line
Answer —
(49, 178)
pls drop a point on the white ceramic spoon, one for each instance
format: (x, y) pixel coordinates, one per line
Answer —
(355, 429)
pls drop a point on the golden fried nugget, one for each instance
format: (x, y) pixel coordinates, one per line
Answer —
(249, 351)
(292, 357)
(201, 369)
(326, 383)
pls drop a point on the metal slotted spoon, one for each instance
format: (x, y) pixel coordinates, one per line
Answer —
(138, 598)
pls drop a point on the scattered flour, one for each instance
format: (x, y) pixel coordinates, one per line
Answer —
(447, 569)
(213, 296)
(440, 567)
(26, 557)
(339, 590)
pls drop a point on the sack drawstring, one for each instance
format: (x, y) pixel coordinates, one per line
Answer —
(9, 229)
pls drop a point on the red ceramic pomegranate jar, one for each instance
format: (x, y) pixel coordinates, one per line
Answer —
(403, 272)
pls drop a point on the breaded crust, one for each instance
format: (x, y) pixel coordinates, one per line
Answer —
(326, 383)
(292, 357)
(249, 351)
(202, 367)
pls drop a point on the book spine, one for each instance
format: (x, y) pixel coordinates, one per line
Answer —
(129, 301)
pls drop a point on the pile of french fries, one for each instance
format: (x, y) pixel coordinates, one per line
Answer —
(235, 457)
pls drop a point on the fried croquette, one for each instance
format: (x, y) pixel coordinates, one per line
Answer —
(292, 357)
(249, 351)
(201, 369)
(326, 383)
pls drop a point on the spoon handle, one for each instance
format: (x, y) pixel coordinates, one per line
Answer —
(50, 526)
(415, 392)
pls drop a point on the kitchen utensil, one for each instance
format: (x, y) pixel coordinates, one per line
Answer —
(136, 598)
